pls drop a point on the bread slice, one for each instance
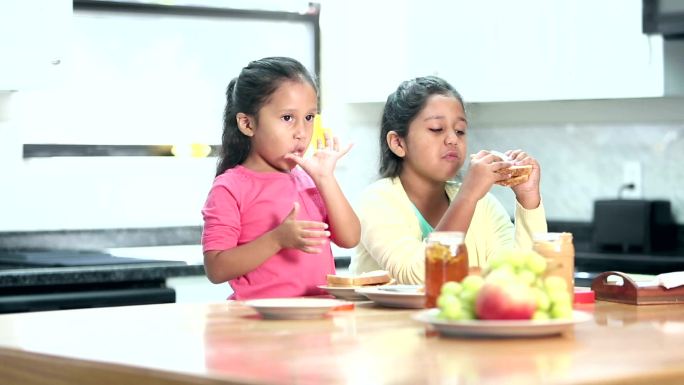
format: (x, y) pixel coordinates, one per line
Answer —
(376, 277)
(519, 174)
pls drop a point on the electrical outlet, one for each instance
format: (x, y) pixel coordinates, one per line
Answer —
(631, 174)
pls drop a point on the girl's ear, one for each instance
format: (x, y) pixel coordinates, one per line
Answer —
(245, 124)
(396, 144)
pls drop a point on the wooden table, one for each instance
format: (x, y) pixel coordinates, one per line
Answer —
(228, 343)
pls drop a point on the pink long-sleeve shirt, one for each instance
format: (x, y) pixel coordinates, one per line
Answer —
(243, 205)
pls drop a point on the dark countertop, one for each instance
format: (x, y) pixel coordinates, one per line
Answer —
(589, 260)
(43, 276)
(150, 264)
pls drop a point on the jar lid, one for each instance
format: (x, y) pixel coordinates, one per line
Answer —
(453, 236)
(550, 237)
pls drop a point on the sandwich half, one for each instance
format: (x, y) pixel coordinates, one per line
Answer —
(519, 174)
(376, 277)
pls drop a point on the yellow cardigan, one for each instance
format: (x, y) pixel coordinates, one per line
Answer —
(391, 238)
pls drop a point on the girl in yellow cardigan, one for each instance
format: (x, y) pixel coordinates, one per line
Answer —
(423, 146)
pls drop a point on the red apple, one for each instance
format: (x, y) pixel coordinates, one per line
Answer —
(512, 300)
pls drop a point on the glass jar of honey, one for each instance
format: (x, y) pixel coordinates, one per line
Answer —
(446, 259)
(559, 252)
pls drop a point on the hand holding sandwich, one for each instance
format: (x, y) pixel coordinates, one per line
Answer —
(524, 183)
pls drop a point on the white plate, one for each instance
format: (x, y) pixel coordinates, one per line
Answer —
(294, 308)
(500, 328)
(344, 292)
(404, 296)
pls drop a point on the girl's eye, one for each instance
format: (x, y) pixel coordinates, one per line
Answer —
(309, 117)
(436, 129)
(460, 132)
(287, 118)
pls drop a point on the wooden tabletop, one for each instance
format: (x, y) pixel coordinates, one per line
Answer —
(228, 343)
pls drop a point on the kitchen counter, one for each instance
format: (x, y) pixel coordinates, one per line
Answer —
(228, 343)
(160, 262)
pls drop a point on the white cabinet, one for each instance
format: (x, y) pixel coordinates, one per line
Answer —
(33, 42)
(363, 48)
(500, 50)
(496, 50)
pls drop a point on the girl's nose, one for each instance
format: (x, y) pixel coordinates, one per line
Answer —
(451, 137)
(300, 129)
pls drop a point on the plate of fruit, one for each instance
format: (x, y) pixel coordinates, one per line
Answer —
(514, 298)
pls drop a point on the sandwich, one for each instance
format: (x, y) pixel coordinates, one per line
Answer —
(375, 277)
(519, 174)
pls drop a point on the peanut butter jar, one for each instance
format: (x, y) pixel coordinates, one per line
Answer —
(559, 252)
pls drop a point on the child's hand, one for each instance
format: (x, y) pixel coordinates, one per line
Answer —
(322, 163)
(307, 236)
(527, 193)
(482, 174)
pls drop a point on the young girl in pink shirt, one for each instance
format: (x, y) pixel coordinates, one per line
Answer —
(271, 212)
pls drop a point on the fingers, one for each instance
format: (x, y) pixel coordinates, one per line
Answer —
(329, 140)
(345, 150)
(296, 158)
(315, 233)
(293, 213)
(312, 241)
(519, 157)
(312, 225)
(498, 166)
(480, 154)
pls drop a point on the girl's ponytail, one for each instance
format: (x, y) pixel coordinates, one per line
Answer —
(235, 145)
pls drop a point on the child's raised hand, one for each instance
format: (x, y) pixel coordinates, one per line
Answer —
(307, 236)
(322, 163)
(482, 174)
(527, 193)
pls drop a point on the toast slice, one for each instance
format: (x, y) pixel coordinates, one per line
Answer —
(376, 277)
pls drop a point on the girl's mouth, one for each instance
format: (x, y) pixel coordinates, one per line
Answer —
(451, 155)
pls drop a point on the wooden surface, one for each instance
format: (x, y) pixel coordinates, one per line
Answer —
(228, 343)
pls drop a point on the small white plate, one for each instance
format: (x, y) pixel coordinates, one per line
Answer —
(404, 296)
(344, 292)
(294, 308)
(500, 328)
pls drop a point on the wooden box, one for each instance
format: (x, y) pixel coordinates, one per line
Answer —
(633, 292)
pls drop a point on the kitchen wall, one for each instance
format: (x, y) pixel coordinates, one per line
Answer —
(581, 144)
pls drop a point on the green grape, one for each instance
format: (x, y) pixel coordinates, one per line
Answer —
(502, 275)
(526, 277)
(516, 259)
(468, 314)
(472, 283)
(497, 260)
(453, 312)
(543, 300)
(535, 263)
(468, 299)
(540, 316)
(445, 301)
(559, 298)
(561, 310)
(555, 284)
(451, 288)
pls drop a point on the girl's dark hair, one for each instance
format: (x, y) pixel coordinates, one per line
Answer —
(247, 93)
(401, 108)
